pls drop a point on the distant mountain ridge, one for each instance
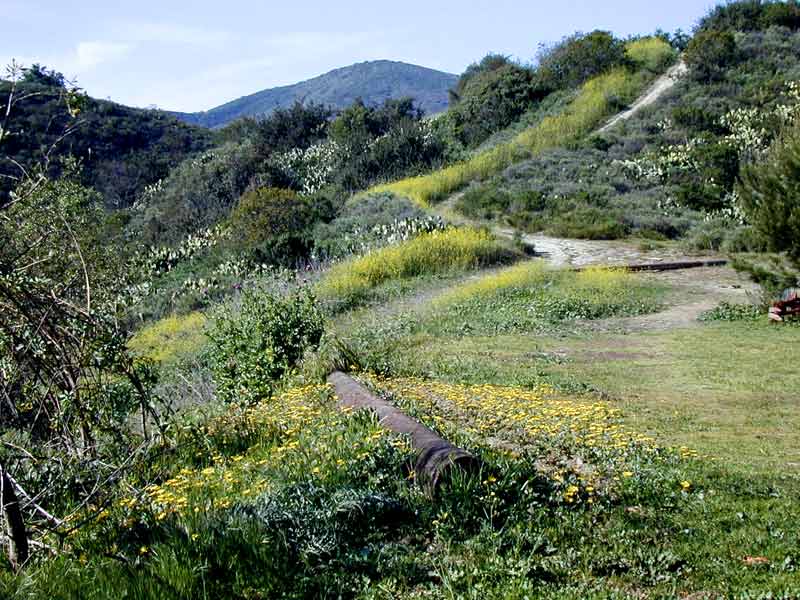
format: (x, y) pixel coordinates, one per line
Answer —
(373, 81)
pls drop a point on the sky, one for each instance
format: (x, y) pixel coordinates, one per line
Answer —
(192, 56)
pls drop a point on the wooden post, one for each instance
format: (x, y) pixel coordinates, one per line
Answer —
(15, 525)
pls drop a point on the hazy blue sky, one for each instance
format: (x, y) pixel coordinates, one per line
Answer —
(196, 55)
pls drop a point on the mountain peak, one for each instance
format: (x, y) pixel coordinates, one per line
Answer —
(373, 81)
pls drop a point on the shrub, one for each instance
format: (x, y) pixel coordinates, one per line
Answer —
(256, 345)
(709, 54)
(727, 311)
(589, 223)
(198, 193)
(275, 224)
(492, 100)
(578, 58)
(439, 252)
(652, 53)
(770, 196)
(750, 15)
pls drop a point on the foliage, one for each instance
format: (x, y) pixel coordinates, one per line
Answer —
(734, 312)
(255, 345)
(651, 53)
(749, 15)
(579, 58)
(275, 225)
(597, 98)
(299, 126)
(68, 386)
(121, 149)
(197, 194)
(709, 54)
(491, 99)
(351, 282)
(490, 62)
(770, 196)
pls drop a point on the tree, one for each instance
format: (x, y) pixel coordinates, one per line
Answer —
(489, 63)
(578, 58)
(299, 126)
(770, 196)
(709, 54)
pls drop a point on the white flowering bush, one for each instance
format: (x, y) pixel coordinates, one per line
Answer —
(310, 169)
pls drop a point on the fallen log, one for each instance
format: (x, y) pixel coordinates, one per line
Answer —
(436, 457)
(666, 266)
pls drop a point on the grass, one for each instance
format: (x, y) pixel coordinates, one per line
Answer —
(353, 281)
(170, 339)
(597, 99)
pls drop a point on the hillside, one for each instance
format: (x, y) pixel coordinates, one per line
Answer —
(373, 81)
(121, 149)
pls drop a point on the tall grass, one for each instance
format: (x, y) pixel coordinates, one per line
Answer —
(524, 274)
(350, 282)
(597, 99)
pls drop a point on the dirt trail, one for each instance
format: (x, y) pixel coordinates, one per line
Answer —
(661, 85)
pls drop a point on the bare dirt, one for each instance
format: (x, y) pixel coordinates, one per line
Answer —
(661, 85)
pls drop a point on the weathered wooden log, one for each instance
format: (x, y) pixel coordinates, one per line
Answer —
(436, 457)
(666, 266)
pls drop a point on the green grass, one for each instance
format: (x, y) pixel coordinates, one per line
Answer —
(597, 99)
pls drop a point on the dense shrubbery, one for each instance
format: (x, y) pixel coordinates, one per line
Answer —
(770, 195)
(709, 54)
(578, 58)
(750, 15)
(274, 226)
(260, 341)
(492, 99)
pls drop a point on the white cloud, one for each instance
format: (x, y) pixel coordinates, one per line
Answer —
(89, 55)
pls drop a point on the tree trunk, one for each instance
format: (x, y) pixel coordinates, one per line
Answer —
(15, 525)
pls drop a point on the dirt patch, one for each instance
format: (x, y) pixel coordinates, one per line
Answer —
(661, 86)
(691, 293)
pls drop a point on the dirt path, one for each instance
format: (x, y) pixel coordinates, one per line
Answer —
(661, 85)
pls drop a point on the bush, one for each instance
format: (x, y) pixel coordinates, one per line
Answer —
(439, 252)
(578, 58)
(590, 224)
(709, 54)
(275, 225)
(751, 15)
(198, 193)
(770, 196)
(727, 311)
(256, 345)
(492, 100)
(652, 53)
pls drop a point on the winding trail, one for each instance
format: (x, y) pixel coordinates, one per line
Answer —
(661, 86)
